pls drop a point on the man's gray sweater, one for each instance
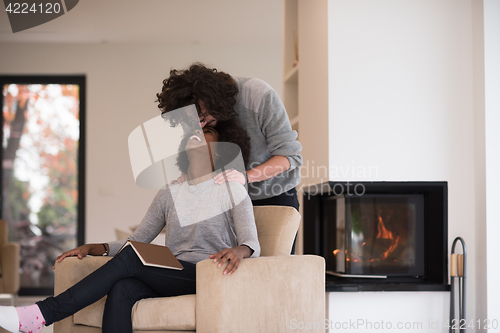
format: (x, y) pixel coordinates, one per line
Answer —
(264, 117)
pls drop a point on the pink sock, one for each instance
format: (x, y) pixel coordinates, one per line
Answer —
(30, 319)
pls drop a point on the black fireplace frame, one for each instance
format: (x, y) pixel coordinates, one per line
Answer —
(435, 195)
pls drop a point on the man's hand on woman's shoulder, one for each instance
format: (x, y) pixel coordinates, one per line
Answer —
(230, 175)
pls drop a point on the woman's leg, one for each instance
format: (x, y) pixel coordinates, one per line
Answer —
(98, 284)
(150, 282)
(119, 303)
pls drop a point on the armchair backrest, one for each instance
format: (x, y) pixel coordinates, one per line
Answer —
(276, 229)
(9, 262)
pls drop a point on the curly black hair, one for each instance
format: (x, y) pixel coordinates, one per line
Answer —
(217, 90)
(229, 131)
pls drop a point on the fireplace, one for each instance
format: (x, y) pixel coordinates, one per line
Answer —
(379, 235)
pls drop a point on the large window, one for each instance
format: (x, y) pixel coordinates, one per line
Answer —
(43, 146)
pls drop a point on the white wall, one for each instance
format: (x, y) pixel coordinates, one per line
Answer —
(313, 90)
(388, 312)
(401, 106)
(492, 143)
(479, 159)
(122, 82)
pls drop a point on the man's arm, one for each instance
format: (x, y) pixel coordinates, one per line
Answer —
(281, 140)
(269, 169)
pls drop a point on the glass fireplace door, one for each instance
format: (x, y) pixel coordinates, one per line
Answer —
(377, 235)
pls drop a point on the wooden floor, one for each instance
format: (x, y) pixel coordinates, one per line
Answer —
(19, 301)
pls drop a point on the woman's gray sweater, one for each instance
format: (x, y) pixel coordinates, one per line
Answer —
(200, 220)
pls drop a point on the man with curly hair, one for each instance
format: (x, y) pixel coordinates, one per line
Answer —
(273, 166)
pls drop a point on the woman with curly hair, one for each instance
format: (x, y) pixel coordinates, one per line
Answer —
(273, 166)
(202, 220)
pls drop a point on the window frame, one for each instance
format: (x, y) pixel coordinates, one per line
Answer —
(79, 80)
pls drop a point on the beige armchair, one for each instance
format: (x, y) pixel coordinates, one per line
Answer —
(9, 263)
(271, 293)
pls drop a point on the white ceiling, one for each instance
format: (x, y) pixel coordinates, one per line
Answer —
(158, 21)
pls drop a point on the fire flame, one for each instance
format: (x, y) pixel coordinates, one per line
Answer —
(386, 234)
(336, 251)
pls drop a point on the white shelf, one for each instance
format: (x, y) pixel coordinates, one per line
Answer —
(290, 61)
(292, 75)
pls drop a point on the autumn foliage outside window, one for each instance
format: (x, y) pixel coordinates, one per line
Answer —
(41, 161)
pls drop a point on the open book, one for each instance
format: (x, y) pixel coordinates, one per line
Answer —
(154, 255)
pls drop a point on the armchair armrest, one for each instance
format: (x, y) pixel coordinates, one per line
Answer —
(69, 272)
(266, 294)
(10, 268)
